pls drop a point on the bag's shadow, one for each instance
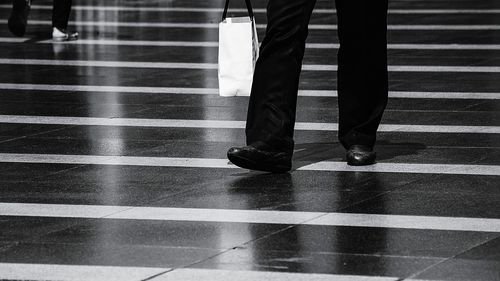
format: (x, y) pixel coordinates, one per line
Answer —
(310, 153)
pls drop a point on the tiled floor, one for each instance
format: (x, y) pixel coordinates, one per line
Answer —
(118, 172)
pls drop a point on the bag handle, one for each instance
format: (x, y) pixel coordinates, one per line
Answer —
(249, 8)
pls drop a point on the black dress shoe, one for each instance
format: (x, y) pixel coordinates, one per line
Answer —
(360, 155)
(249, 157)
(19, 17)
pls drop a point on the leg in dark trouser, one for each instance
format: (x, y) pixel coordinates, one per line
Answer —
(362, 73)
(18, 19)
(271, 112)
(362, 82)
(60, 18)
(60, 13)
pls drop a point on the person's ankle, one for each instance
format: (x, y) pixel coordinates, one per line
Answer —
(260, 145)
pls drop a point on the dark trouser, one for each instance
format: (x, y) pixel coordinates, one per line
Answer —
(362, 74)
(60, 13)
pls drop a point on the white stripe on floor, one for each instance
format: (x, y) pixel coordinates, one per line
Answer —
(436, 27)
(326, 166)
(262, 26)
(208, 44)
(406, 94)
(212, 91)
(414, 46)
(412, 68)
(424, 68)
(214, 66)
(250, 216)
(120, 64)
(256, 10)
(20, 271)
(141, 43)
(229, 124)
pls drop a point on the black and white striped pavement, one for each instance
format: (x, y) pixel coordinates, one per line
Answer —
(112, 152)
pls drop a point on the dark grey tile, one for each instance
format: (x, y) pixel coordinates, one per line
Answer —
(373, 241)
(430, 4)
(481, 263)
(311, 80)
(488, 251)
(102, 254)
(298, 191)
(108, 185)
(61, 109)
(58, 143)
(258, 259)
(133, 242)
(317, 18)
(35, 50)
(320, 4)
(26, 172)
(23, 229)
(110, 99)
(317, 36)
(17, 131)
(311, 147)
(439, 195)
(435, 140)
(182, 234)
(4, 246)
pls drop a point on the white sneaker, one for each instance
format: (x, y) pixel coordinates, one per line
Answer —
(63, 35)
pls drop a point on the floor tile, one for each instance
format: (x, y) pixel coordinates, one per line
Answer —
(439, 195)
(317, 262)
(480, 263)
(373, 241)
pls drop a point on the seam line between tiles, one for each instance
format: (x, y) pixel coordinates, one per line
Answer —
(234, 248)
(39, 133)
(116, 212)
(451, 258)
(57, 173)
(421, 178)
(158, 275)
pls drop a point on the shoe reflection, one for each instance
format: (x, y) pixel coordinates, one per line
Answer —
(312, 248)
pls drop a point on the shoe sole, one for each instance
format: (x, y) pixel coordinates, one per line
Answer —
(246, 163)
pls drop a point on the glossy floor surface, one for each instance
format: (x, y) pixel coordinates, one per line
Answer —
(112, 152)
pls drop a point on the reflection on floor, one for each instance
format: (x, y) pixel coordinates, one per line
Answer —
(112, 153)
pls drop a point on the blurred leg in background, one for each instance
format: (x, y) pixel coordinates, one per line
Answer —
(18, 19)
(60, 18)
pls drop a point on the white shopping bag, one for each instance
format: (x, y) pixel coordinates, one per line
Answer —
(238, 52)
